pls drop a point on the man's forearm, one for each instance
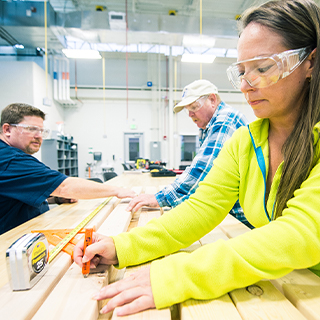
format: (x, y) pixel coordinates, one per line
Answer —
(78, 188)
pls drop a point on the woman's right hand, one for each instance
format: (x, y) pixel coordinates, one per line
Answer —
(102, 250)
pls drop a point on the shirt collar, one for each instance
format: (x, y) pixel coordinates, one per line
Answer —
(203, 132)
(259, 130)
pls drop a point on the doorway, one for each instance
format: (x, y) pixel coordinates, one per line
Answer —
(133, 146)
(189, 148)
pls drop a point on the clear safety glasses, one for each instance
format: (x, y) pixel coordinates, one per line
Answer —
(33, 130)
(261, 72)
(197, 105)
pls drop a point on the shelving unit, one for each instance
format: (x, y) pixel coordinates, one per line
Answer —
(60, 155)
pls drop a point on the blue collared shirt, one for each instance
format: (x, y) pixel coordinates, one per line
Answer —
(224, 122)
(25, 184)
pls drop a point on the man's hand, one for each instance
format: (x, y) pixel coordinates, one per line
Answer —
(130, 295)
(125, 193)
(102, 250)
(148, 200)
(60, 200)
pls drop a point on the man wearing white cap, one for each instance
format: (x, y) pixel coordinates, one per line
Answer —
(217, 122)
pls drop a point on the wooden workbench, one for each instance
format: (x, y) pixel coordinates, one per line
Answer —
(63, 293)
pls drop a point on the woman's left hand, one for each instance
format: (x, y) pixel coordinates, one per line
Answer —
(130, 295)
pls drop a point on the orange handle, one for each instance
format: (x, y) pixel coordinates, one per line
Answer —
(87, 242)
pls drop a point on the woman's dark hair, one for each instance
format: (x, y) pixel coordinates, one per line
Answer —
(297, 21)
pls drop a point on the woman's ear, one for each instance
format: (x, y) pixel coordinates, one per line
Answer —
(311, 58)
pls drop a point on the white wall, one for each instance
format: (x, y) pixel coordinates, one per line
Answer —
(94, 117)
(16, 82)
(147, 67)
(25, 81)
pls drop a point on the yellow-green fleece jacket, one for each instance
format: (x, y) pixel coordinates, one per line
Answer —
(269, 251)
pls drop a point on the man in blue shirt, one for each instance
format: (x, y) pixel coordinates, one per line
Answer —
(25, 182)
(217, 122)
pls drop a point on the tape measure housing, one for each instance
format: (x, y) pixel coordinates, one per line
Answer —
(27, 261)
(28, 257)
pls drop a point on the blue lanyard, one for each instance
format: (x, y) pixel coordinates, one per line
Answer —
(262, 166)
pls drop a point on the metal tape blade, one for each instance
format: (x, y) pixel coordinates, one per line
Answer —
(55, 251)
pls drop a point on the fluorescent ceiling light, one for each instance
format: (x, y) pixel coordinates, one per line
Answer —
(198, 41)
(19, 46)
(232, 53)
(81, 54)
(198, 58)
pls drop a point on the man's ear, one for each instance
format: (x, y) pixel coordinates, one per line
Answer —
(6, 129)
(213, 98)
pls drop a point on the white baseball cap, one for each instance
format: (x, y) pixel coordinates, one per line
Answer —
(194, 91)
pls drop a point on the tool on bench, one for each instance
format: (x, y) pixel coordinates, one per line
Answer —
(87, 242)
(28, 257)
(55, 236)
(162, 173)
(142, 163)
(27, 261)
(55, 251)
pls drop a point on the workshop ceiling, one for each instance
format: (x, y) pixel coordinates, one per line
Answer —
(155, 22)
(211, 8)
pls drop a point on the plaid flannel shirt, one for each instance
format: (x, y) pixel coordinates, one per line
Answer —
(224, 122)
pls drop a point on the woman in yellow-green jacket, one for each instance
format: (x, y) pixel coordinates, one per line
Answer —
(272, 167)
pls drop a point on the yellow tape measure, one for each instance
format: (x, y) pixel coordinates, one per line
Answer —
(54, 252)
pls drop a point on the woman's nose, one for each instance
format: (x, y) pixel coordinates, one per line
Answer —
(245, 85)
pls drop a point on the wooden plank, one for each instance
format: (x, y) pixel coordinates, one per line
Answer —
(152, 314)
(73, 290)
(134, 220)
(221, 308)
(136, 215)
(71, 298)
(210, 237)
(22, 305)
(29, 301)
(151, 190)
(232, 227)
(218, 309)
(163, 314)
(62, 216)
(142, 180)
(196, 245)
(302, 288)
(136, 189)
(165, 209)
(147, 215)
(263, 301)
(213, 236)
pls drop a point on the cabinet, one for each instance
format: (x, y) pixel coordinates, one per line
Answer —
(60, 155)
